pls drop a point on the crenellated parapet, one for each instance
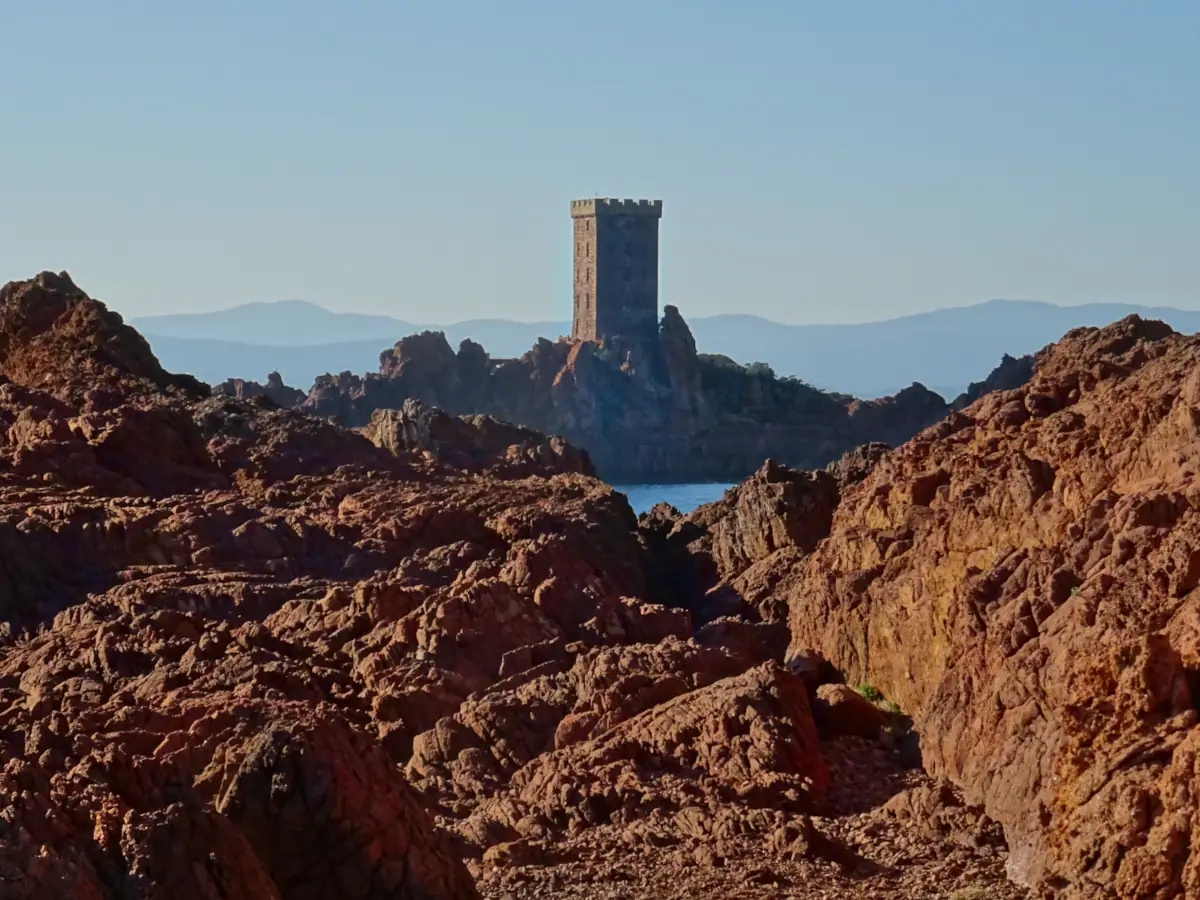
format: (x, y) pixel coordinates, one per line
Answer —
(602, 206)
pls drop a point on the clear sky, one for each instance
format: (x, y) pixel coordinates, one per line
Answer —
(818, 161)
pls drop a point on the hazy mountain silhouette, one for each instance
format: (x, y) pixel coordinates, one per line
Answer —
(945, 349)
(283, 323)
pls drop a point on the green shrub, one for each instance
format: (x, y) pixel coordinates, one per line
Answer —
(870, 692)
(720, 361)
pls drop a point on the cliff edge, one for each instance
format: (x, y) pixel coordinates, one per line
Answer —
(643, 414)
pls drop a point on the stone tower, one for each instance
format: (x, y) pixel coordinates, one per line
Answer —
(616, 270)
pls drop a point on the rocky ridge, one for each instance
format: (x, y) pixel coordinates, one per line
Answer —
(248, 652)
(666, 413)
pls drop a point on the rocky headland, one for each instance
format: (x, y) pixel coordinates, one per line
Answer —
(248, 652)
(663, 413)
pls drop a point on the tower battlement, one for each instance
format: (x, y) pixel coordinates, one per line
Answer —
(607, 206)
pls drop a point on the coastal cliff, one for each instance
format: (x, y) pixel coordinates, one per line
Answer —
(659, 413)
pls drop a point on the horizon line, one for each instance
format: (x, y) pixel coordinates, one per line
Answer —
(437, 326)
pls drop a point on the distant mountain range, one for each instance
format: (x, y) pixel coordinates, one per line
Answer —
(945, 349)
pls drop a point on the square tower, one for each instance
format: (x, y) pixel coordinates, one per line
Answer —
(616, 270)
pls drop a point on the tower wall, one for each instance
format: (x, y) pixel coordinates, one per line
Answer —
(616, 269)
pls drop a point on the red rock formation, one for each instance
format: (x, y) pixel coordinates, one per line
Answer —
(843, 710)
(743, 741)
(720, 558)
(473, 443)
(249, 653)
(53, 334)
(1022, 578)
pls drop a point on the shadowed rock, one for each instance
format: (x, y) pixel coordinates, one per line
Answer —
(642, 413)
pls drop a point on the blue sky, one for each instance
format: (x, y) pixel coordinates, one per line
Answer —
(818, 161)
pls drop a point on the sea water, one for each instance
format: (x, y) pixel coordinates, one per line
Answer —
(684, 497)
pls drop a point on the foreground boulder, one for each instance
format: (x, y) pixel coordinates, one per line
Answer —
(1022, 579)
(845, 711)
(215, 798)
(747, 741)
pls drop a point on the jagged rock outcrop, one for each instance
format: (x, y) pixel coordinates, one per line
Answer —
(473, 443)
(855, 465)
(1011, 374)
(889, 420)
(1022, 578)
(666, 413)
(721, 558)
(246, 652)
(746, 741)
(274, 390)
(776, 507)
(53, 335)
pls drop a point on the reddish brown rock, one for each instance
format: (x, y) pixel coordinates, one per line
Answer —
(1020, 578)
(800, 839)
(746, 742)
(553, 704)
(936, 810)
(473, 443)
(161, 849)
(615, 684)
(724, 558)
(329, 815)
(855, 465)
(53, 335)
(774, 509)
(232, 633)
(839, 709)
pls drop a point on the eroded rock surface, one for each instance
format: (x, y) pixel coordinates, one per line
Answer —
(473, 443)
(246, 652)
(724, 558)
(1022, 579)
